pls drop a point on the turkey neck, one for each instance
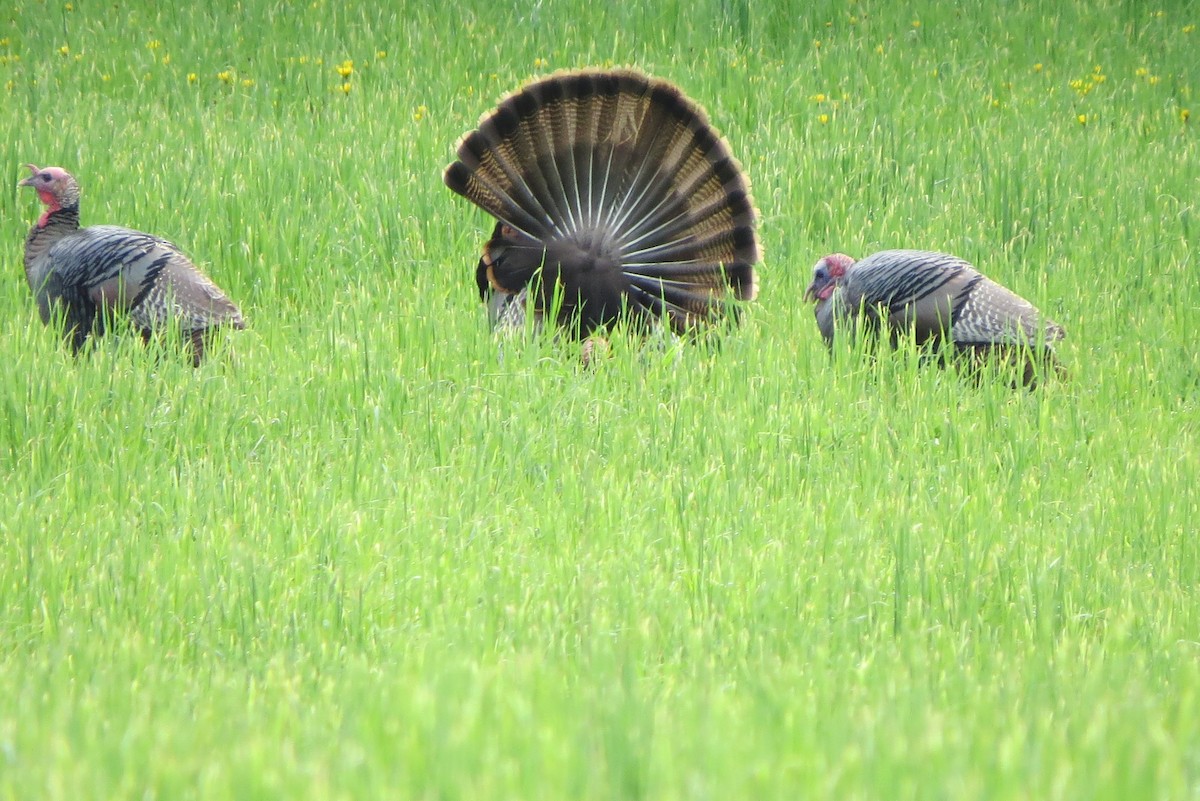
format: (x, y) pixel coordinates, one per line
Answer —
(52, 227)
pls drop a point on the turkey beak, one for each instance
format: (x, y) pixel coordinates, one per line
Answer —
(812, 293)
(33, 170)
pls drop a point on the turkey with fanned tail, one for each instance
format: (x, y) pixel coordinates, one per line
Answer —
(614, 198)
(88, 274)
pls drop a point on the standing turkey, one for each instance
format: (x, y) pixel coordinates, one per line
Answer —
(614, 198)
(91, 273)
(935, 296)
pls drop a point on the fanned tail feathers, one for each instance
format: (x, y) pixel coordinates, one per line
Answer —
(615, 189)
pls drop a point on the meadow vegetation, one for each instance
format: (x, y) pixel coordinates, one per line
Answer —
(365, 553)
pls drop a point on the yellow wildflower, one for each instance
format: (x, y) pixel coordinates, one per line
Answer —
(64, 50)
(166, 59)
(916, 23)
(247, 83)
(818, 98)
(1083, 119)
(153, 44)
(192, 77)
(380, 54)
(225, 76)
(346, 88)
(420, 113)
(1185, 114)
(879, 49)
(1037, 67)
(1189, 28)
(540, 63)
(346, 68)
(69, 7)
(823, 119)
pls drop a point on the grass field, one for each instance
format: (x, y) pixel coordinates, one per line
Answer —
(359, 554)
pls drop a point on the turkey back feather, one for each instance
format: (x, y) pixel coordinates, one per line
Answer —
(612, 189)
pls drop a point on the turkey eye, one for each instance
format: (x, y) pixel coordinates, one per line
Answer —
(45, 177)
(820, 273)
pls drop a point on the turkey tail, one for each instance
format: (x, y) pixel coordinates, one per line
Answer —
(614, 188)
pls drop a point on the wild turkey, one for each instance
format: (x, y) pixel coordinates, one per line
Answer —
(933, 295)
(613, 197)
(90, 273)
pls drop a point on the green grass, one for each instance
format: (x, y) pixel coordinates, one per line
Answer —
(359, 554)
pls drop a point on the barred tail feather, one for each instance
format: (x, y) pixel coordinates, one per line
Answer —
(618, 177)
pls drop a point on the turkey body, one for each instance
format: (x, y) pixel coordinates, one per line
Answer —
(613, 197)
(937, 298)
(91, 274)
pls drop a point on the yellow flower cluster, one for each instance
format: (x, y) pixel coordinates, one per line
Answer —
(1144, 72)
(827, 102)
(1083, 86)
(345, 71)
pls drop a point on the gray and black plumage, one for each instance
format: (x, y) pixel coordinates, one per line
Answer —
(90, 273)
(612, 194)
(936, 297)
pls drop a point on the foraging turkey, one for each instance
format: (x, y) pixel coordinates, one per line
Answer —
(934, 295)
(89, 273)
(613, 196)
